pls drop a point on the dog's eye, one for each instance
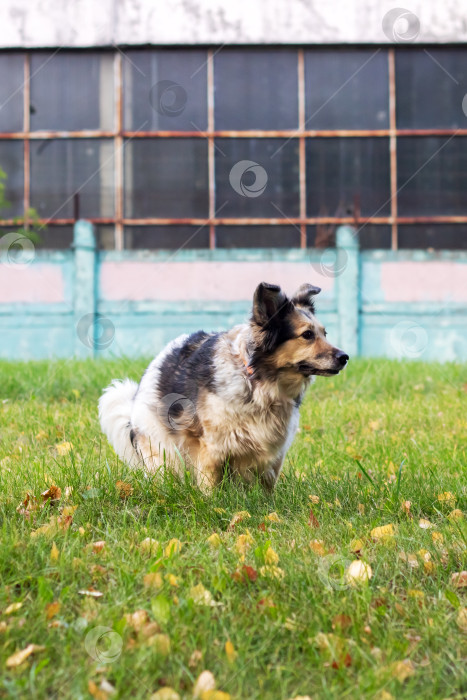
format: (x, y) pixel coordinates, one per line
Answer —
(308, 335)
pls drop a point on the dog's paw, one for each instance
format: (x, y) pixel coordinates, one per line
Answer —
(268, 479)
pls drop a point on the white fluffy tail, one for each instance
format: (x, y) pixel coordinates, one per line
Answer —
(115, 407)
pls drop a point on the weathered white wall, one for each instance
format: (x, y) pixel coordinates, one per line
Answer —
(80, 23)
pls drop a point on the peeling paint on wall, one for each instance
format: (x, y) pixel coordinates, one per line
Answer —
(84, 23)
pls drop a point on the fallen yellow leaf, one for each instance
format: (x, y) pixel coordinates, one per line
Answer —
(273, 517)
(149, 545)
(383, 531)
(153, 580)
(214, 695)
(160, 643)
(414, 593)
(230, 651)
(124, 489)
(20, 657)
(137, 620)
(314, 499)
(456, 514)
(173, 547)
(317, 547)
(402, 669)
(51, 609)
(243, 543)
(459, 579)
(12, 608)
(165, 693)
(214, 540)
(270, 556)
(238, 517)
(54, 553)
(172, 579)
(437, 538)
(447, 497)
(272, 572)
(461, 619)
(201, 596)
(424, 524)
(358, 572)
(63, 448)
(205, 681)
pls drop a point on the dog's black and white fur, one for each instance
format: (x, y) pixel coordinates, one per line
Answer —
(231, 399)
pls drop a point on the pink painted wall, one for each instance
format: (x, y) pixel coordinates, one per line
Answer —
(423, 281)
(37, 283)
(204, 281)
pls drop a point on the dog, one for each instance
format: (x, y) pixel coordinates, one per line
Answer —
(228, 400)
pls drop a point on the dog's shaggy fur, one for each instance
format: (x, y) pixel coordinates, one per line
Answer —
(224, 400)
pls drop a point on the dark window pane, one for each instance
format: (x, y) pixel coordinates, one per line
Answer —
(165, 90)
(256, 89)
(105, 237)
(166, 178)
(257, 237)
(11, 91)
(12, 164)
(430, 88)
(62, 168)
(437, 236)
(372, 236)
(72, 91)
(166, 237)
(344, 172)
(55, 238)
(257, 178)
(346, 89)
(432, 176)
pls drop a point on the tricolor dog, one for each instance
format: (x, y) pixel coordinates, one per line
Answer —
(224, 401)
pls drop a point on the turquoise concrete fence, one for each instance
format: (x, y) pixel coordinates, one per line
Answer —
(84, 302)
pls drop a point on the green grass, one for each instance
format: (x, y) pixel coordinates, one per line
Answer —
(380, 434)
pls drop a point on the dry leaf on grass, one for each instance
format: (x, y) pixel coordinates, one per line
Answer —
(317, 547)
(12, 608)
(424, 524)
(165, 693)
(124, 489)
(214, 540)
(243, 543)
(98, 546)
(137, 620)
(341, 621)
(358, 572)
(205, 681)
(456, 514)
(230, 652)
(313, 520)
(54, 553)
(237, 518)
(383, 532)
(314, 499)
(410, 559)
(52, 609)
(459, 579)
(91, 593)
(63, 448)
(53, 493)
(160, 643)
(272, 572)
(270, 556)
(246, 573)
(447, 497)
(461, 619)
(153, 580)
(149, 545)
(20, 657)
(201, 596)
(173, 547)
(401, 669)
(273, 517)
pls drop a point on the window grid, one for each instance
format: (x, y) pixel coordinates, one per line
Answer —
(119, 135)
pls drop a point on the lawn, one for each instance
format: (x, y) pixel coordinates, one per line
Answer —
(127, 586)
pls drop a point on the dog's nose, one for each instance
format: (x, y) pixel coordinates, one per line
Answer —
(342, 358)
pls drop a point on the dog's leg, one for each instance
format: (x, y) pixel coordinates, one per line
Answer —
(208, 469)
(270, 475)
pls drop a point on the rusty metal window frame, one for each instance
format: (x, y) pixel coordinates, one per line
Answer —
(119, 134)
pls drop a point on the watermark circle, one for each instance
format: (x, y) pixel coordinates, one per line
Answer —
(176, 412)
(95, 331)
(103, 644)
(168, 98)
(248, 179)
(332, 571)
(16, 250)
(408, 339)
(331, 263)
(401, 25)
(464, 104)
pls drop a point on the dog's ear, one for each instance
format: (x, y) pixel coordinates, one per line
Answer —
(269, 302)
(304, 295)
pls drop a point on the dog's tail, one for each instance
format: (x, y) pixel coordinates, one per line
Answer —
(115, 407)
